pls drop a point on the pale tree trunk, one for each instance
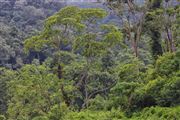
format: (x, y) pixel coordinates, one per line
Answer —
(170, 39)
(168, 30)
(167, 49)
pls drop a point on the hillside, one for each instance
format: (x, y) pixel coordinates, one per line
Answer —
(23, 18)
(18, 20)
(86, 60)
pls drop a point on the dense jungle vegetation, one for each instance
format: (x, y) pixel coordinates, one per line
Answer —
(78, 66)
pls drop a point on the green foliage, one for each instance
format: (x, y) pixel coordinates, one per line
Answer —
(113, 36)
(88, 74)
(98, 103)
(158, 113)
(33, 81)
(2, 117)
(35, 43)
(62, 27)
(78, 75)
(63, 57)
(164, 91)
(122, 95)
(159, 87)
(58, 112)
(40, 118)
(19, 24)
(95, 115)
(92, 14)
(89, 45)
(167, 64)
(5, 76)
(128, 72)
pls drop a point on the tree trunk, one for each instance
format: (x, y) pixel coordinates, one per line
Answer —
(64, 94)
(59, 71)
(170, 39)
(135, 48)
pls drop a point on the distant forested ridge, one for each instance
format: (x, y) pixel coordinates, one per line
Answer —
(18, 20)
(116, 60)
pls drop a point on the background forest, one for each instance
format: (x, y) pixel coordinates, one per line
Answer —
(116, 60)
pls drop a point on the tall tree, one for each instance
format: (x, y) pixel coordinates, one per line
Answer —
(170, 16)
(33, 92)
(79, 29)
(160, 22)
(133, 17)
